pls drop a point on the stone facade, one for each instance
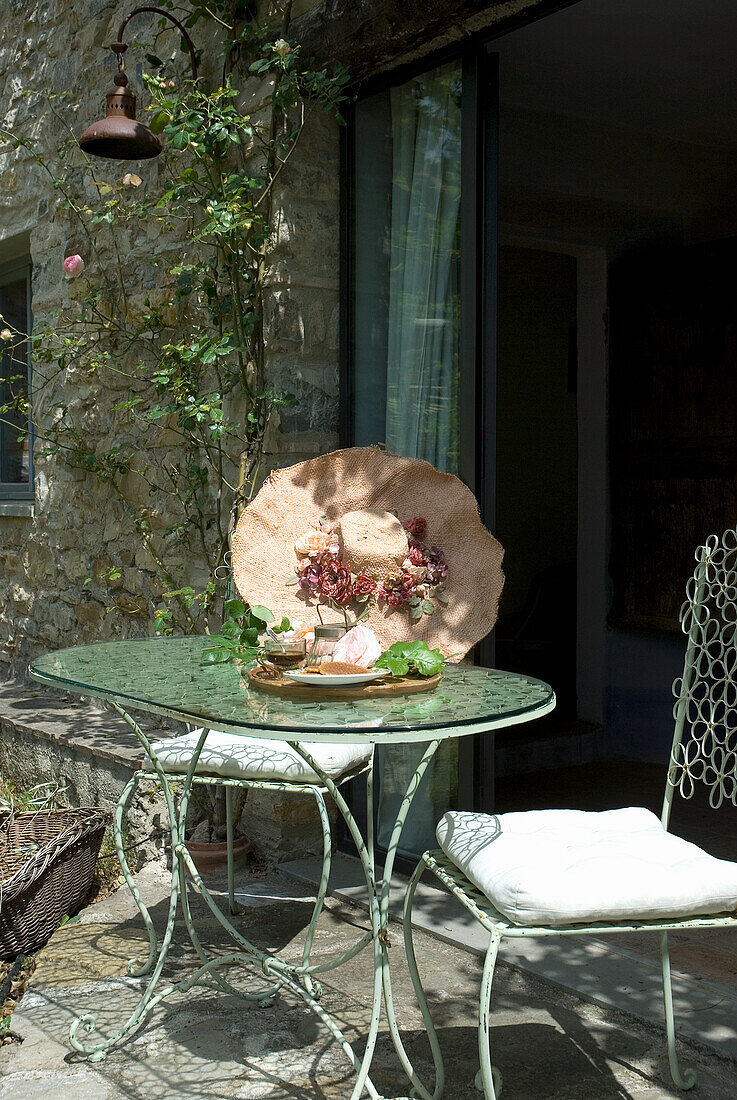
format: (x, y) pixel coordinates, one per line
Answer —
(78, 527)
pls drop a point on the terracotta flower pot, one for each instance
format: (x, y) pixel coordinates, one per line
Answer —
(208, 857)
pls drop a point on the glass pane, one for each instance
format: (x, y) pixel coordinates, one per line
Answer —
(407, 324)
(407, 231)
(14, 451)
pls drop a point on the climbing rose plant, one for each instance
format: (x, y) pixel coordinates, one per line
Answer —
(182, 343)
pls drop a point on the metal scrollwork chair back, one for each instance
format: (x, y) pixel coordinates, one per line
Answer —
(703, 752)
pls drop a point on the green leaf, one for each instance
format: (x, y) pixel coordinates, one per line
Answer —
(234, 609)
(160, 120)
(262, 613)
(428, 607)
(416, 657)
(216, 656)
(293, 579)
(429, 663)
(396, 665)
(231, 629)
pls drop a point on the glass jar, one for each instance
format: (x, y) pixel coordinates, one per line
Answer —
(322, 648)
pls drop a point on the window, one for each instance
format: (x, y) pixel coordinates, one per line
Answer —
(16, 463)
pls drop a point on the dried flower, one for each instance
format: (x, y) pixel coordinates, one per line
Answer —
(313, 542)
(309, 576)
(282, 47)
(416, 526)
(335, 583)
(73, 266)
(418, 572)
(397, 589)
(437, 568)
(364, 585)
(416, 554)
(130, 179)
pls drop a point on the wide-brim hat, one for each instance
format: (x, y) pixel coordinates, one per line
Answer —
(377, 492)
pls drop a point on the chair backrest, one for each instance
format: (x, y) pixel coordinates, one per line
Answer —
(704, 748)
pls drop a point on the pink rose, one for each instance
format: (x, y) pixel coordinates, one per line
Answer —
(313, 542)
(359, 646)
(73, 266)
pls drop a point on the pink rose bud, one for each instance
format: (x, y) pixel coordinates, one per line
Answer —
(73, 266)
(130, 179)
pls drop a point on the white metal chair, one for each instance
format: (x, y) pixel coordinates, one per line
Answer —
(255, 763)
(569, 872)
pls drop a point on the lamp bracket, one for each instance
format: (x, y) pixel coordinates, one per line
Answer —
(120, 47)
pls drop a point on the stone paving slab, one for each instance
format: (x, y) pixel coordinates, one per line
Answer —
(548, 1043)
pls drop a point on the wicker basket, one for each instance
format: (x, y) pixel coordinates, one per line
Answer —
(47, 859)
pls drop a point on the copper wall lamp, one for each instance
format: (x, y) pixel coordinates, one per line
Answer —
(119, 136)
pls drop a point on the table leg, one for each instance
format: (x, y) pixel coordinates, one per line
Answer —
(298, 979)
(378, 899)
(135, 968)
(147, 1000)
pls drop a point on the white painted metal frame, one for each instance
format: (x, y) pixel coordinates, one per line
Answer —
(300, 980)
(704, 750)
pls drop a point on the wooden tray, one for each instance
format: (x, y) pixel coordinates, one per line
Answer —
(404, 685)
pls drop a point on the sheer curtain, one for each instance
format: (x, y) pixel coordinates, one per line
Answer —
(422, 354)
(422, 369)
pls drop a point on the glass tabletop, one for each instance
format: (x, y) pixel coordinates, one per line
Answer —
(168, 676)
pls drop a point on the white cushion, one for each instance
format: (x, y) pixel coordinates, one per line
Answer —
(572, 866)
(236, 757)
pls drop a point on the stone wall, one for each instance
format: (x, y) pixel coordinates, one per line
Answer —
(78, 528)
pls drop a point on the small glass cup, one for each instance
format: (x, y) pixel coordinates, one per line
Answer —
(284, 654)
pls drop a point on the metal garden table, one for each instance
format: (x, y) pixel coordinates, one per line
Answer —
(167, 676)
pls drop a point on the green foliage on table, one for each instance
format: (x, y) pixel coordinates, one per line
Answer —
(239, 634)
(411, 659)
(169, 309)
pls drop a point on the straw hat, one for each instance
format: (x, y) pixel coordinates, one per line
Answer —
(354, 503)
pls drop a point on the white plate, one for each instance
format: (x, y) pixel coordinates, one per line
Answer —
(315, 679)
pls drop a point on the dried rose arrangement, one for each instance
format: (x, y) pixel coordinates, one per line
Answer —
(322, 575)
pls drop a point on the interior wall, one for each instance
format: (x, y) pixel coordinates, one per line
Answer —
(618, 135)
(536, 424)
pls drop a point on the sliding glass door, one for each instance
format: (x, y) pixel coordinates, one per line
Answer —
(419, 255)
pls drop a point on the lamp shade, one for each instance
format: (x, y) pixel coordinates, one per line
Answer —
(119, 136)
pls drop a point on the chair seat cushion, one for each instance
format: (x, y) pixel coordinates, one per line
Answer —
(236, 757)
(555, 867)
